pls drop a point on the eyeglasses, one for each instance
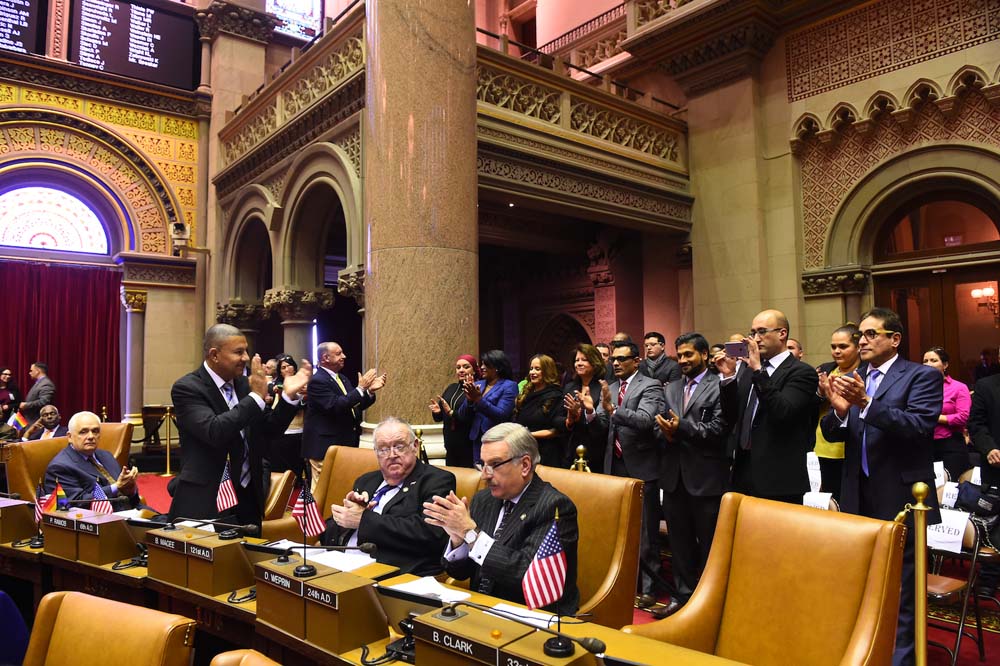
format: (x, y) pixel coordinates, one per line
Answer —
(621, 359)
(761, 331)
(386, 451)
(872, 333)
(488, 468)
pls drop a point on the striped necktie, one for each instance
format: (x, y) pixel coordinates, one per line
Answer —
(230, 394)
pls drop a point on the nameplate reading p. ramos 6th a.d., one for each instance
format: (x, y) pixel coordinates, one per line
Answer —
(89, 528)
(455, 643)
(58, 521)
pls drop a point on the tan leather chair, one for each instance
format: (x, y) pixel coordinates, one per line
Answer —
(768, 595)
(609, 516)
(341, 466)
(282, 485)
(242, 658)
(27, 462)
(468, 481)
(80, 629)
(116, 438)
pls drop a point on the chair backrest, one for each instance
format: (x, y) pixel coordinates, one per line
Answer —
(282, 485)
(768, 582)
(468, 481)
(116, 439)
(342, 465)
(242, 658)
(72, 628)
(27, 462)
(609, 516)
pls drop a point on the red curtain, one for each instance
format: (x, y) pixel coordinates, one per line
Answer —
(67, 317)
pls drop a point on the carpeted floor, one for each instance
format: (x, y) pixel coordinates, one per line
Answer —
(153, 488)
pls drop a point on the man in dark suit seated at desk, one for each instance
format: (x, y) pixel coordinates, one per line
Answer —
(81, 465)
(47, 426)
(494, 540)
(385, 506)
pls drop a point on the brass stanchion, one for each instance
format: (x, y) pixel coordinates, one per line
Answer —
(421, 451)
(104, 413)
(920, 490)
(580, 464)
(168, 473)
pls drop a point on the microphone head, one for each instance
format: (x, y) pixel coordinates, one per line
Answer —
(368, 548)
(14, 496)
(251, 530)
(593, 645)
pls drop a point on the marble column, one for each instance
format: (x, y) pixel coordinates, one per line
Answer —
(297, 309)
(420, 192)
(134, 302)
(243, 315)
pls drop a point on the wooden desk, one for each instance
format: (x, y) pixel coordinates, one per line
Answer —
(25, 564)
(127, 585)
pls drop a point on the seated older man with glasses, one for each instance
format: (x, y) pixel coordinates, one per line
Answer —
(385, 506)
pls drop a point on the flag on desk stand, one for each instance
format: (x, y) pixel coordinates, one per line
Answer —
(100, 503)
(307, 513)
(48, 503)
(40, 499)
(17, 421)
(226, 498)
(545, 579)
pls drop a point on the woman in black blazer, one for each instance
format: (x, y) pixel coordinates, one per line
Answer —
(10, 397)
(584, 390)
(446, 408)
(539, 408)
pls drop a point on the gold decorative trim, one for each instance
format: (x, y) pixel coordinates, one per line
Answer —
(133, 300)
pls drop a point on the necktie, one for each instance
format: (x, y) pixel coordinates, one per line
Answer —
(485, 582)
(688, 390)
(749, 414)
(340, 383)
(102, 470)
(230, 394)
(621, 396)
(380, 493)
(870, 387)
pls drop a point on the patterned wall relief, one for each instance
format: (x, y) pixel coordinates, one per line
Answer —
(882, 37)
(833, 161)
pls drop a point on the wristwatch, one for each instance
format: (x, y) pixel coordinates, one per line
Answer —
(470, 537)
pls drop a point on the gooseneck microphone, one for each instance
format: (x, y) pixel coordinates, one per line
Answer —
(234, 531)
(560, 645)
(283, 553)
(13, 496)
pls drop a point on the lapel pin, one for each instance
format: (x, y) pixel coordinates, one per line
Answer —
(406, 489)
(523, 516)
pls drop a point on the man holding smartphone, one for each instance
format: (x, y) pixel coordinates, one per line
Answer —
(772, 415)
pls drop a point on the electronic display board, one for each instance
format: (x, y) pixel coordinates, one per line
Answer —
(19, 22)
(298, 18)
(136, 40)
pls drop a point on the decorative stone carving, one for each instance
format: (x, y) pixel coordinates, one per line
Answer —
(239, 313)
(622, 130)
(350, 142)
(521, 96)
(257, 130)
(235, 20)
(294, 305)
(325, 76)
(601, 50)
(599, 256)
(824, 284)
(352, 285)
(723, 57)
(133, 300)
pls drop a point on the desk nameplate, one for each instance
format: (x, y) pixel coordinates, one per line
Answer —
(59, 521)
(474, 636)
(201, 552)
(321, 596)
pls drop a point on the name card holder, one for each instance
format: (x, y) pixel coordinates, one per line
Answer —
(17, 520)
(343, 613)
(281, 599)
(530, 651)
(104, 538)
(168, 560)
(59, 528)
(217, 566)
(474, 637)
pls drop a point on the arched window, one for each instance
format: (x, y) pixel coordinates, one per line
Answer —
(936, 224)
(49, 219)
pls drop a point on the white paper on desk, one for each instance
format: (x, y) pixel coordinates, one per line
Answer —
(812, 467)
(132, 514)
(977, 476)
(296, 547)
(345, 561)
(817, 500)
(939, 477)
(429, 587)
(947, 535)
(534, 618)
(196, 524)
(950, 495)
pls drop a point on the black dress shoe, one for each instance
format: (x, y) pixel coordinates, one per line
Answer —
(645, 601)
(661, 612)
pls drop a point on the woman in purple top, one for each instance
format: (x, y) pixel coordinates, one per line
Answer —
(949, 437)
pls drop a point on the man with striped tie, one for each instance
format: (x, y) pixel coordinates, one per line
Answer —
(385, 506)
(82, 465)
(223, 425)
(495, 538)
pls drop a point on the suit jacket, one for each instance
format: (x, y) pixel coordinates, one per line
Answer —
(209, 431)
(77, 476)
(743, 384)
(900, 439)
(666, 371)
(332, 416)
(61, 431)
(494, 407)
(984, 424)
(783, 429)
(514, 550)
(697, 456)
(42, 393)
(632, 424)
(403, 538)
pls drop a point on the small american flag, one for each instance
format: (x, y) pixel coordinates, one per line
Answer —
(226, 498)
(39, 500)
(545, 578)
(307, 514)
(100, 503)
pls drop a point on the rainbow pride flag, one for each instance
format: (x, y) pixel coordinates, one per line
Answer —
(52, 500)
(18, 421)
